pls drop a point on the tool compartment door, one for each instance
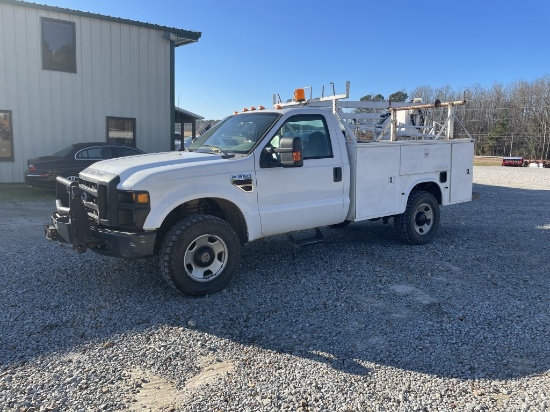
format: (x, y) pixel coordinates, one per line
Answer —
(425, 157)
(462, 171)
(377, 180)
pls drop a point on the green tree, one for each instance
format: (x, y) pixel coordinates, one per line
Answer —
(369, 98)
(398, 97)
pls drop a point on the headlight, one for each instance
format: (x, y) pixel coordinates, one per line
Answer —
(137, 197)
(140, 198)
(133, 208)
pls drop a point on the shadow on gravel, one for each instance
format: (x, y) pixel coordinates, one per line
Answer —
(474, 304)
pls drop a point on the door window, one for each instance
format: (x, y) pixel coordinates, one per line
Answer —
(98, 152)
(126, 151)
(313, 132)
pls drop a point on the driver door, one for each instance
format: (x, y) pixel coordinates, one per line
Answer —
(297, 198)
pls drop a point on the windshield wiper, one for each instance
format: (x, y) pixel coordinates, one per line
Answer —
(215, 149)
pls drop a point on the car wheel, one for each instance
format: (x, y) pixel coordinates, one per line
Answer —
(419, 223)
(200, 255)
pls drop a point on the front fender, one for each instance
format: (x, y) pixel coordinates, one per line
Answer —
(163, 202)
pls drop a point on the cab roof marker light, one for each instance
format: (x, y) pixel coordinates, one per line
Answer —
(245, 109)
(300, 95)
(261, 108)
(252, 108)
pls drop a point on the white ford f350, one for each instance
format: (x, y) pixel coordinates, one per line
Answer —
(264, 172)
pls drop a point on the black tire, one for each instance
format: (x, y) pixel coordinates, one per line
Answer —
(340, 225)
(419, 223)
(200, 255)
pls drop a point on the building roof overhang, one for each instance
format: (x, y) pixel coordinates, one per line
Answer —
(180, 37)
(186, 113)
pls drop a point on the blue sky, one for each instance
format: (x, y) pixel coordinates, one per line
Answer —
(252, 49)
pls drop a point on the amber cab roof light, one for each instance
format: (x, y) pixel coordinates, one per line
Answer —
(251, 109)
(300, 95)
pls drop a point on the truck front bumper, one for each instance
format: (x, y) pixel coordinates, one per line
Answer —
(72, 225)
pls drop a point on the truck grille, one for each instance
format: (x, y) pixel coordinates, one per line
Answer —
(100, 200)
(90, 199)
(90, 185)
(107, 206)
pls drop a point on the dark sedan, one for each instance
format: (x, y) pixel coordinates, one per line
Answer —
(42, 171)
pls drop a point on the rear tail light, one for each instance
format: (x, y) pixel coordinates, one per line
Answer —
(32, 168)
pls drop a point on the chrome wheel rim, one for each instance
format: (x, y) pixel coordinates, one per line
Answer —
(423, 219)
(205, 258)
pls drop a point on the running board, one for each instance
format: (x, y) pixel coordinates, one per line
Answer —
(317, 238)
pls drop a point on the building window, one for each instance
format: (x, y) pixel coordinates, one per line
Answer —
(6, 136)
(58, 45)
(121, 130)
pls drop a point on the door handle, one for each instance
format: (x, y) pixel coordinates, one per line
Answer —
(337, 174)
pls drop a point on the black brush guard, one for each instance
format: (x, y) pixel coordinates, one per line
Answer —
(71, 224)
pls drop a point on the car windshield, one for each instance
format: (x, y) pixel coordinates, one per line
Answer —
(236, 134)
(63, 152)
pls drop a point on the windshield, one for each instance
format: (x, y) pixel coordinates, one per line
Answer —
(235, 134)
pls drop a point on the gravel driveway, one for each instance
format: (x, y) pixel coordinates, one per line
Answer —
(357, 323)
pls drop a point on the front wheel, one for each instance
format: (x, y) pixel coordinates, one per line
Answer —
(200, 255)
(419, 223)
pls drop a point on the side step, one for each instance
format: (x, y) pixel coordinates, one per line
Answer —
(317, 238)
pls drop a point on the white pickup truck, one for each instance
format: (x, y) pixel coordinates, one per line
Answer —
(259, 173)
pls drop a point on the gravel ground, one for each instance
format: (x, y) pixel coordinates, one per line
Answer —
(357, 323)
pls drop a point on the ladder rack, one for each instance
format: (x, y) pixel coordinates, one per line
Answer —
(385, 120)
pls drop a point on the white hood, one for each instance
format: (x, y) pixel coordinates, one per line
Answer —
(130, 169)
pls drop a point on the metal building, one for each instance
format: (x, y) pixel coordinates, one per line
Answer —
(69, 76)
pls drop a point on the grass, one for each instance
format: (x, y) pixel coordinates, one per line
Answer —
(487, 161)
(22, 191)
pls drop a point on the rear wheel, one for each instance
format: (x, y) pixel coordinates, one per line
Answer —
(200, 255)
(419, 223)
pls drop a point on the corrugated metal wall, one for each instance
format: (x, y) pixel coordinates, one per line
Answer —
(122, 71)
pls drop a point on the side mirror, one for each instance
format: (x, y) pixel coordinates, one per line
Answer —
(290, 151)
